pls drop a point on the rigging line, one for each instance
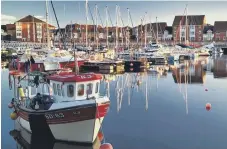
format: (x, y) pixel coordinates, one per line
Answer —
(91, 14)
(110, 17)
(100, 17)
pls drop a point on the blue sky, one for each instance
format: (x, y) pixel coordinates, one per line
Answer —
(75, 10)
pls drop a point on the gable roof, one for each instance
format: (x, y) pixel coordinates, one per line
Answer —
(220, 26)
(30, 18)
(192, 20)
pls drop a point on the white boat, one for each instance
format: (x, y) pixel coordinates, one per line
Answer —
(74, 111)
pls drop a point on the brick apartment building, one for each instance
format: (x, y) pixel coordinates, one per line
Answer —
(220, 30)
(31, 29)
(195, 25)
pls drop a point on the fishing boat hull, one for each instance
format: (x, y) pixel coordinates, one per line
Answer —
(75, 124)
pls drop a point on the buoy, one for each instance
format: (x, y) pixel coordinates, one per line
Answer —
(21, 92)
(106, 146)
(13, 115)
(100, 136)
(208, 106)
(10, 105)
(206, 89)
(131, 64)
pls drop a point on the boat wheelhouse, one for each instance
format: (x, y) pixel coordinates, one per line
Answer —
(72, 110)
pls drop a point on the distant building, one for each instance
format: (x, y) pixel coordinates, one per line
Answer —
(208, 34)
(11, 30)
(167, 36)
(31, 29)
(220, 30)
(194, 30)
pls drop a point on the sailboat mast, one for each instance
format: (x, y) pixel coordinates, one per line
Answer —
(47, 26)
(116, 26)
(157, 30)
(127, 38)
(96, 25)
(145, 34)
(107, 31)
(86, 7)
(186, 24)
(33, 29)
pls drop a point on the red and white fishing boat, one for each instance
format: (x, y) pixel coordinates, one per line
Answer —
(73, 112)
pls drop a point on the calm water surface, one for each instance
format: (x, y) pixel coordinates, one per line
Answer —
(160, 111)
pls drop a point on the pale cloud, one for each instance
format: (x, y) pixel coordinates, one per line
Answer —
(7, 19)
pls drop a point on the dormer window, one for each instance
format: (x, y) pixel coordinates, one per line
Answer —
(70, 90)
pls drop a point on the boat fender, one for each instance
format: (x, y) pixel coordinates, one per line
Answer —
(10, 105)
(21, 92)
(106, 146)
(13, 115)
(36, 105)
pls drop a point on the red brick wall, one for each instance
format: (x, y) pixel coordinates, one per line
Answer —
(220, 36)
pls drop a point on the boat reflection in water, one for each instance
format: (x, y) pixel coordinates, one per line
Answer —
(190, 72)
(220, 67)
(25, 140)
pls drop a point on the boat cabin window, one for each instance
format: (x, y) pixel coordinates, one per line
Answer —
(62, 91)
(97, 87)
(59, 89)
(70, 90)
(55, 90)
(80, 90)
(89, 88)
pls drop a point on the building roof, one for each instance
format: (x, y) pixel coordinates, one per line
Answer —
(30, 18)
(153, 27)
(10, 27)
(220, 26)
(192, 20)
(207, 28)
(169, 29)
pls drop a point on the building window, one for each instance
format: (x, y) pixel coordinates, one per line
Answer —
(224, 38)
(97, 87)
(70, 90)
(80, 89)
(192, 27)
(192, 38)
(59, 89)
(89, 88)
(55, 90)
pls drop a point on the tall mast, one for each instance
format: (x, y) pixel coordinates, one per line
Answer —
(145, 34)
(96, 25)
(180, 31)
(107, 31)
(47, 26)
(186, 24)
(86, 7)
(116, 26)
(33, 29)
(127, 38)
(157, 30)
